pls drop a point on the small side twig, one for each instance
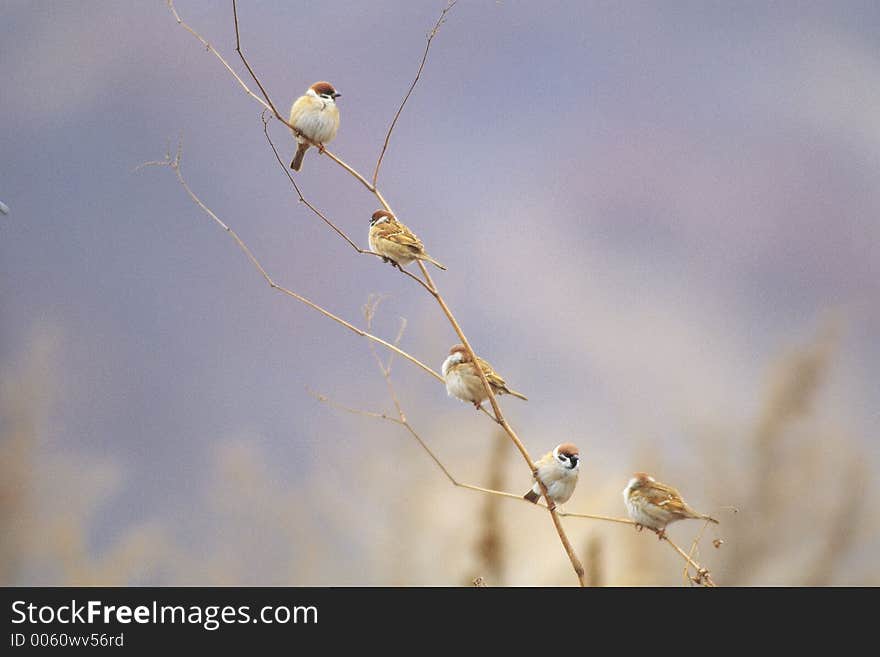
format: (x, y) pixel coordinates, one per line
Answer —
(693, 550)
(213, 51)
(271, 105)
(415, 81)
(702, 576)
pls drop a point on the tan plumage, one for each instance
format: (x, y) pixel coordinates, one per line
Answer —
(392, 240)
(654, 505)
(558, 471)
(316, 117)
(463, 380)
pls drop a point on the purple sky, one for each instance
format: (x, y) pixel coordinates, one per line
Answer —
(641, 206)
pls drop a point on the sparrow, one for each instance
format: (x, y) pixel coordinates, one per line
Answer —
(463, 380)
(558, 470)
(316, 116)
(654, 505)
(395, 242)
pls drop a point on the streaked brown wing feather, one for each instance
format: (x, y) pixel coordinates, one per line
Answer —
(668, 498)
(491, 376)
(396, 232)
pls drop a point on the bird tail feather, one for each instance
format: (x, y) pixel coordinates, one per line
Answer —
(433, 262)
(297, 162)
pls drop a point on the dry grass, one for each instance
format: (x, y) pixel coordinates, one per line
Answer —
(490, 547)
(248, 523)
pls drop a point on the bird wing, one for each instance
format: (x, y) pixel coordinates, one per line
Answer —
(396, 232)
(300, 105)
(491, 375)
(669, 499)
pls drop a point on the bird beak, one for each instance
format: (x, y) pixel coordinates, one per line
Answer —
(335, 96)
(574, 461)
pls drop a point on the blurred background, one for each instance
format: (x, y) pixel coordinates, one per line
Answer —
(660, 222)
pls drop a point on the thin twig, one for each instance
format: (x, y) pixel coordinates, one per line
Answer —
(693, 549)
(354, 411)
(369, 313)
(401, 420)
(244, 60)
(431, 36)
(302, 198)
(211, 49)
(703, 576)
(593, 516)
(174, 164)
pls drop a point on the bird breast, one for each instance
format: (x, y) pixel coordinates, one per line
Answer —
(561, 489)
(462, 382)
(402, 255)
(559, 480)
(645, 513)
(315, 119)
(553, 472)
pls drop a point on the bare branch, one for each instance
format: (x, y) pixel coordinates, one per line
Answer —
(431, 36)
(211, 49)
(593, 516)
(348, 409)
(302, 199)
(248, 66)
(174, 164)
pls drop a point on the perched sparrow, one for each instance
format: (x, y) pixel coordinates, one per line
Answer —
(558, 470)
(316, 116)
(463, 380)
(654, 505)
(395, 242)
